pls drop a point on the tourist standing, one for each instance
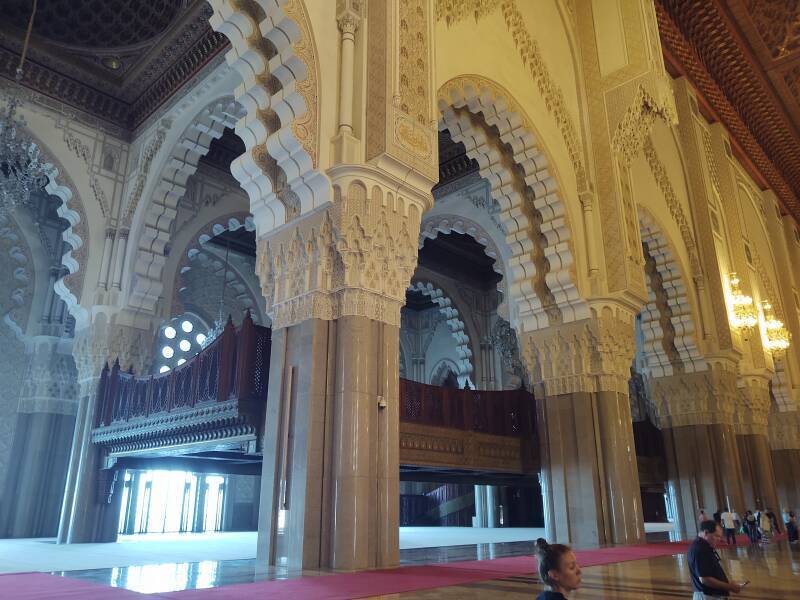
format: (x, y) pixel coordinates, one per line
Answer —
(791, 527)
(751, 526)
(729, 525)
(558, 570)
(718, 516)
(702, 516)
(764, 525)
(708, 576)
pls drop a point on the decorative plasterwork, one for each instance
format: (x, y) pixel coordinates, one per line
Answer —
(541, 269)
(454, 323)
(753, 406)
(589, 355)
(104, 343)
(16, 277)
(161, 209)
(454, 11)
(273, 52)
(433, 225)
(355, 257)
(634, 129)
(701, 398)
(667, 322)
(784, 430)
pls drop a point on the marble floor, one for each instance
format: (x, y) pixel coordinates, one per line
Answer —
(773, 570)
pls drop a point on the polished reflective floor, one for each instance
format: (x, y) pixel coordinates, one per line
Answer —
(774, 572)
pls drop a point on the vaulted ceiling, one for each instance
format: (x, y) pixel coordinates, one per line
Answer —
(118, 60)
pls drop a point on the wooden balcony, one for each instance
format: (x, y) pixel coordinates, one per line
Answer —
(467, 429)
(213, 402)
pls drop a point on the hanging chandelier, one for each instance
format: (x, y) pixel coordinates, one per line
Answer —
(777, 336)
(744, 315)
(22, 169)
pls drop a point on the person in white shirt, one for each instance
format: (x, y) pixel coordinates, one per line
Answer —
(729, 525)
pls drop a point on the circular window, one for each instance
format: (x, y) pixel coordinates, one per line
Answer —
(187, 326)
(167, 352)
(181, 361)
(163, 369)
(169, 332)
(185, 345)
(200, 338)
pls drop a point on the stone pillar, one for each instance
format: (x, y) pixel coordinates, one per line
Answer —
(784, 439)
(45, 421)
(590, 481)
(752, 415)
(695, 412)
(335, 282)
(91, 498)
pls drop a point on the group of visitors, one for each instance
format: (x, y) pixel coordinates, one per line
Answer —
(559, 570)
(758, 526)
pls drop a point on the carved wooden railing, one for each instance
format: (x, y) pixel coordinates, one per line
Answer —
(468, 429)
(219, 393)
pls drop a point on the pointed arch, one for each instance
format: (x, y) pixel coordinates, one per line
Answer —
(667, 320)
(161, 209)
(497, 134)
(454, 323)
(273, 50)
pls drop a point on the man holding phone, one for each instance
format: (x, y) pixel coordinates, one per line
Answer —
(708, 576)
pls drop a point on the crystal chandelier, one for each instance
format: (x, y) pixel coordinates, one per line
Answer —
(777, 336)
(21, 166)
(744, 313)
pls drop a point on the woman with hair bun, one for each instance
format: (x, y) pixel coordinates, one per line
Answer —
(558, 570)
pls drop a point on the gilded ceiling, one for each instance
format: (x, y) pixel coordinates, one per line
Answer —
(117, 60)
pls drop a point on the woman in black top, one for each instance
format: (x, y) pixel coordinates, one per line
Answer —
(558, 569)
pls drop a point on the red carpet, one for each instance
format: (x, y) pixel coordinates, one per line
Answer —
(38, 586)
(409, 579)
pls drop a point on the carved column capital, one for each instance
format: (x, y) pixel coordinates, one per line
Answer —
(752, 408)
(348, 23)
(105, 342)
(700, 398)
(589, 355)
(356, 257)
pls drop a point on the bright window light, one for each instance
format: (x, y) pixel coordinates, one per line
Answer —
(163, 369)
(170, 332)
(200, 338)
(185, 345)
(181, 361)
(167, 352)
(187, 326)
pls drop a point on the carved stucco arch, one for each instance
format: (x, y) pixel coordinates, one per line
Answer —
(273, 50)
(667, 320)
(454, 323)
(70, 287)
(194, 254)
(19, 278)
(433, 225)
(499, 136)
(161, 208)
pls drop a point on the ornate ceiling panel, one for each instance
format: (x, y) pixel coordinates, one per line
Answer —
(743, 56)
(118, 60)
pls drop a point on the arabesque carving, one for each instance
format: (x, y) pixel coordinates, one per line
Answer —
(354, 258)
(589, 355)
(637, 123)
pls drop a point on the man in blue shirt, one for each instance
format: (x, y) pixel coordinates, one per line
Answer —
(708, 576)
